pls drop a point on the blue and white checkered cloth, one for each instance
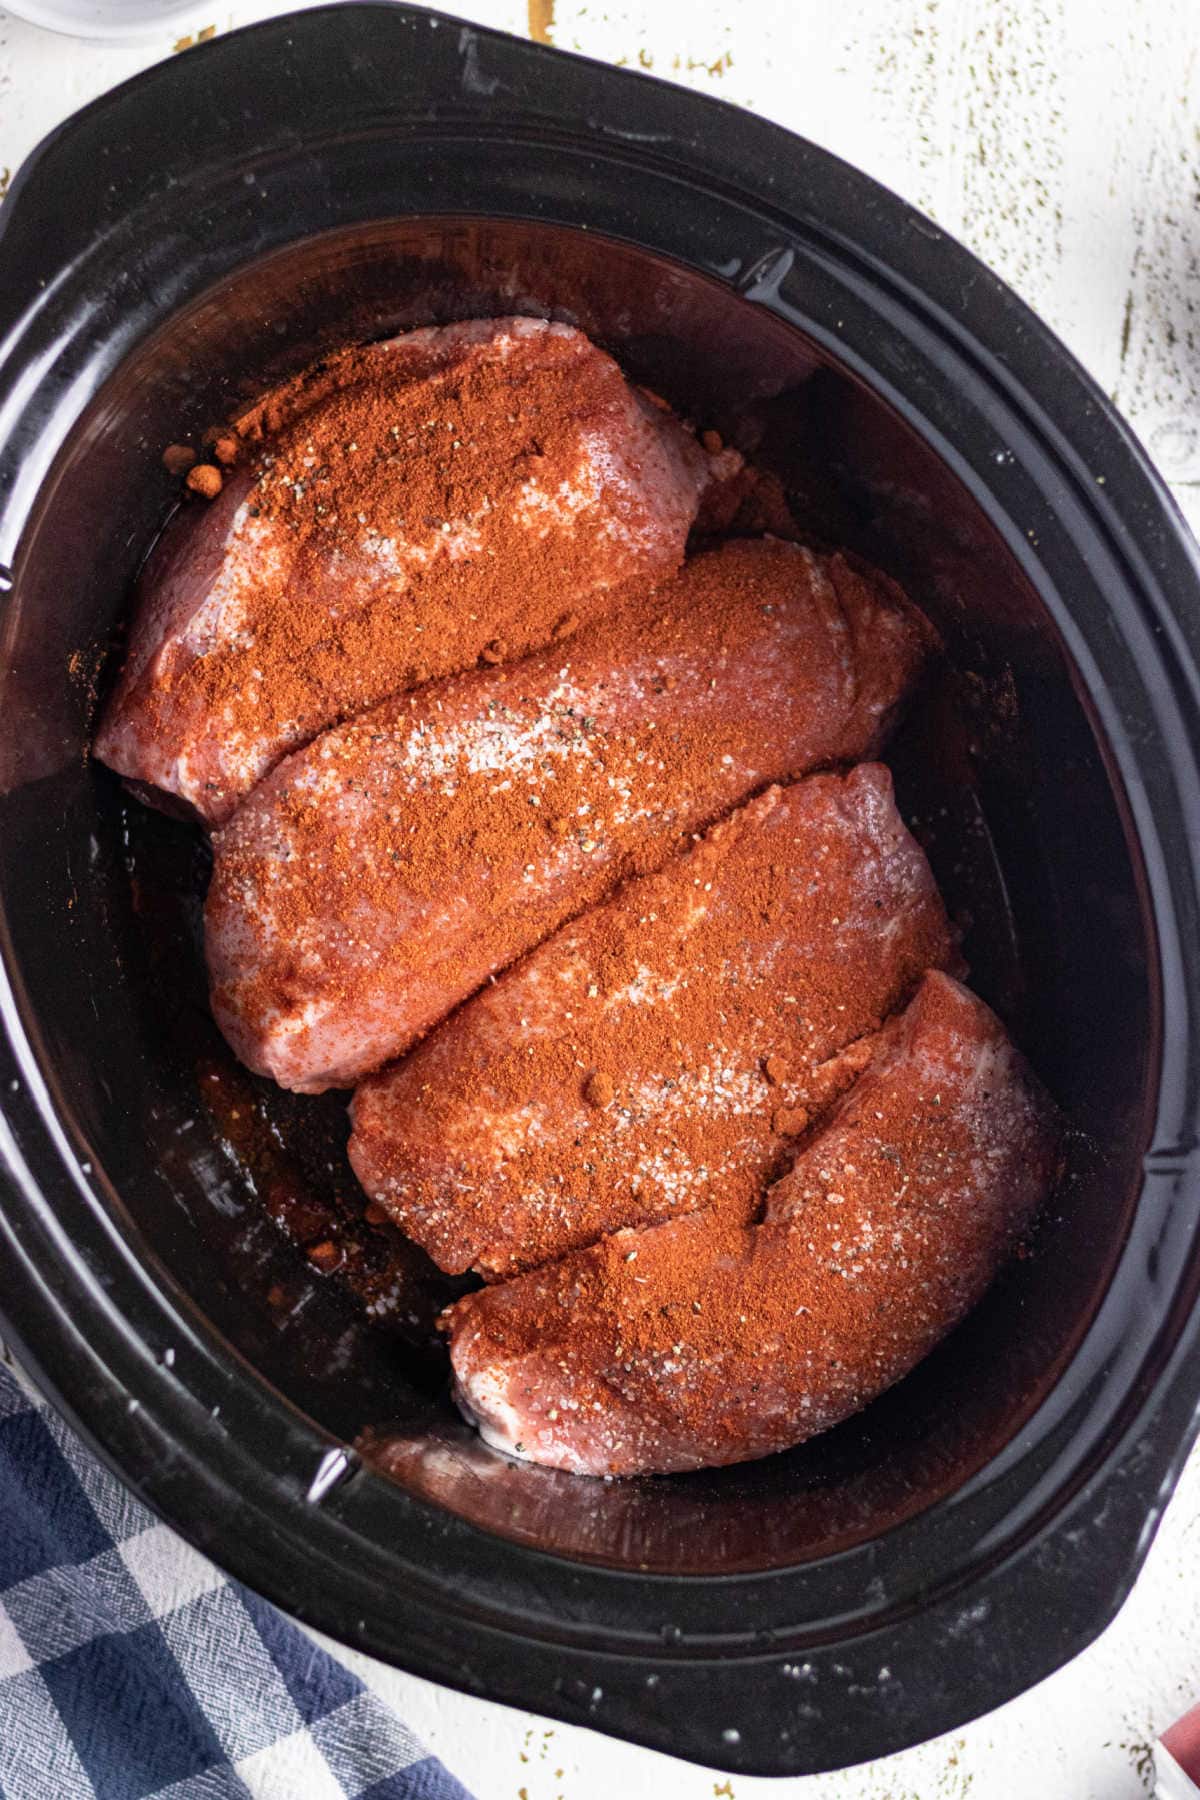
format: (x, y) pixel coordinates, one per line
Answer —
(130, 1667)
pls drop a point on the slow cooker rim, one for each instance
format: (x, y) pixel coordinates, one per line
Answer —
(685, 103)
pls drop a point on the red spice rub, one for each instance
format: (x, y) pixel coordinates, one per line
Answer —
(703, 1342)
(659, 1054)
(420, 500)
(375, 879)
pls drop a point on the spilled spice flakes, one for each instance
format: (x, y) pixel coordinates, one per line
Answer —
(203, 36)
(541, 21)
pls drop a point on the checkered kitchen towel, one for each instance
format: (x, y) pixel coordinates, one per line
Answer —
(130, 1667)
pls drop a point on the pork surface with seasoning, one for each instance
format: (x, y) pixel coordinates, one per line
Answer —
(660, 1053)
(451, 493)
(704, 1341)
(378, 877)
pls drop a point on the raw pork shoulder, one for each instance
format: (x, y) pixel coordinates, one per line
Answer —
(378, 877)
(660, 1053)
(448, 494)
(703, 1342)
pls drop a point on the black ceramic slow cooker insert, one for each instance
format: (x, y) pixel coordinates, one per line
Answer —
(212, 225)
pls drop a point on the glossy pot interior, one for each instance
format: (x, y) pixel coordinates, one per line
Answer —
(1060, 949)
(1011, 772)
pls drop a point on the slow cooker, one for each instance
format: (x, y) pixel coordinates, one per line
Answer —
(211, 226)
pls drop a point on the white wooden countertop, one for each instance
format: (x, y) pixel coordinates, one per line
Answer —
(1061, 140)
